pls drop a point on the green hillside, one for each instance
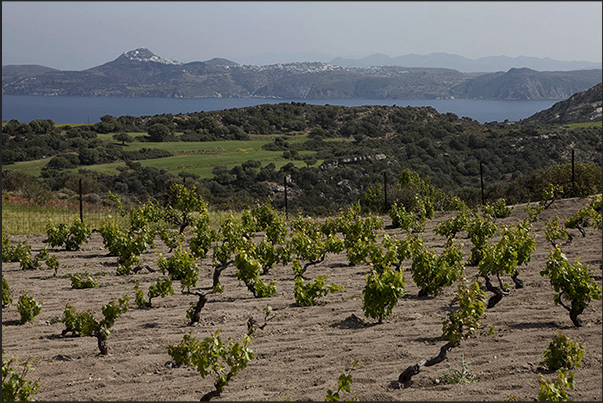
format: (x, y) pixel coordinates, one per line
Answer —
(331, 156)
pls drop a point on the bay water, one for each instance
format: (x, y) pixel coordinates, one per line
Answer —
(68, 109)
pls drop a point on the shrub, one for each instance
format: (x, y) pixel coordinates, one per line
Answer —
(78, 281)
(497, 209)
(172, 239)
(203, 236)
(212, 356)
(563, 353)
(248, 270)
(432, 273)
(53, 264)
(162, 288)
(127, 245)
(139, 298)
(71, 236)
(14, 385)
(466, 319)
(585, 215)
(85, 324)
(515, 248)
(28, 308)
(310, 243)
(556, 391)
(390, 252)
(573, 283)
(358, 234)
(6, 293)
(554, 231)
(449, 228)
(479, 229)
(408, 221)
(182, 204)
(381, 293)
(344, 384)
(306, 294)
(12, 253)
(28, 262)
(180, 266)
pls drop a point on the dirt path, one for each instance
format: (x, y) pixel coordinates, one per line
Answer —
(302, 351)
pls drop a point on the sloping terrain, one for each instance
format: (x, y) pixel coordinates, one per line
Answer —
(300, 354)
(581, 107)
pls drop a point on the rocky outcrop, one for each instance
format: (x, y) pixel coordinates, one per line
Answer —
(524, 84)
(584, 106)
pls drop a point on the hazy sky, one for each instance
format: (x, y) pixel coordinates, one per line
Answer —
(80, 35)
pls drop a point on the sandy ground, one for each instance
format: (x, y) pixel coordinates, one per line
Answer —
(300, 354)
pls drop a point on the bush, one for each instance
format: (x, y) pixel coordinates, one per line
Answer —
(497, 209)
(72, 237)
(381, 293)
(180, 266)
(306, 294)
(212, 356)
(573, 283)
(556, 391)
(466, 319)
(162, 288)
(78, 282)
(6, 293)
(431, 273)
(405, 220)
(28, 308)
(12, 253)
(85, 324)
(248, 270)
(28, 262)
(14, 385)
(563, 353)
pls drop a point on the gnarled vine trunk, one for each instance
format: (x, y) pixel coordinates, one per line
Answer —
(405, 377)
(217, 271)
(102, 342)
(197, 312)
(498, 293)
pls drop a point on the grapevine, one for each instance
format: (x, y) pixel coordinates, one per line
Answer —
(432, 273)
(28, 308)
(572, 283)
(14, 385)
(211, 356)
(85, 324)
(381, 294)
(306, 294)
(71, 236)
(6, 293)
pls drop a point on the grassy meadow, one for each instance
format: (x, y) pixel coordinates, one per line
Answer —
(30, 219)
(25, 219)
(198, 158)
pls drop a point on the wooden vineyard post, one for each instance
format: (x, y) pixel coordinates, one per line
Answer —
(385, 192)
(81, 205)
(286, 206)
(573, 177)
(481, 177)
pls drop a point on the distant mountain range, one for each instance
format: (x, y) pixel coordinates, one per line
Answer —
(465, 65)
(141, 73)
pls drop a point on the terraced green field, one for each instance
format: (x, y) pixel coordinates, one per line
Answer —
(194, 157)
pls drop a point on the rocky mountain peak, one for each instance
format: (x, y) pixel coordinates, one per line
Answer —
(145, 55)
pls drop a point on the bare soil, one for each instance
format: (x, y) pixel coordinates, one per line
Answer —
(300, 354)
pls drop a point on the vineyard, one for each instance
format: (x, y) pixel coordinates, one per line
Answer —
(434, 301)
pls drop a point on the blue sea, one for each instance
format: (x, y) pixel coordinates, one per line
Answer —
(66, 109)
